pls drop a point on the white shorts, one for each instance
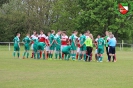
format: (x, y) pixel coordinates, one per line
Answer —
(78, 50)
(62, 46)
(31, 46)
(47, 48)
(96, 51)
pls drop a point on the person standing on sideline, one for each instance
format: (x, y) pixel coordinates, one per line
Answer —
(26, 42)
(112, 45)
(16, 41)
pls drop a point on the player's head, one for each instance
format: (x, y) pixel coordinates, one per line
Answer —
(48, 33)
(53, 31)
(98, 36)
(107, 33)
(75, 32)
(59, 32)
(64, 33)
(110, 33)
(90, 35)
(88, 31)
(80, 34)
(28, 34)
(18, 34)
(41, 31)
(34, 32)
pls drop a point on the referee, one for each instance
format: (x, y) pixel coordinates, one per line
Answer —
(89, 45)
(112, 45)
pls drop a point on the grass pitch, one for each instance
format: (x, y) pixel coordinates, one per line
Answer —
(30, 73)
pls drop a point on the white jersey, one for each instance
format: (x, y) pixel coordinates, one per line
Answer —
(34, 37)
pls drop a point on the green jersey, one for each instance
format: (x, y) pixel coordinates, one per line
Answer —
(41, 44)
(73, 39)
(100, 43)
(36, 41)
(88, 42)
(57, 38)
(27, 40)
(106, 41)
(16, 41)
(82, 39)
(51, 39)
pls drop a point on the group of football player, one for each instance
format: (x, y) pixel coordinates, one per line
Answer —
(60, 46)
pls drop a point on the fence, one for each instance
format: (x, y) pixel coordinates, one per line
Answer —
(121, 46)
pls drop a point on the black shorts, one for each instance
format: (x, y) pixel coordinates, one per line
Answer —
(111, 50)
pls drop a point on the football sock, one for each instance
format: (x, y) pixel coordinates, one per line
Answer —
(80, 56)
(32, 55)
(101, 58)
(24, 54)
(56, 55)
(27, 54)
(18, 54)
(65, 56)
(38, 55)
(43, 55)
(51, 55)
(14, 53)
(109, 58)
(84, 56)
(60, 56)
(69, 55)
(74, 55)
(77, 56)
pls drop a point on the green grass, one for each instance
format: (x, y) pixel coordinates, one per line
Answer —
(30, 73)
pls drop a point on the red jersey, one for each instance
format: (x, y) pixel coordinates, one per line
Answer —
(64, 40)
(42, 37)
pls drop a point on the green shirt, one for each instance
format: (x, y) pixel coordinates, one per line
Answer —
(88, 42)
(100, 43)
(66, 49)
(106, 42)
(82, 39)
(36, 41)
(57, 38)
(27, 40)
(16, 41)
(51, 38)
(73, 39)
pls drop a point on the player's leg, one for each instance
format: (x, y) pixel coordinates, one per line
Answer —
(18, 53)
(14, 52)
(32, 48)
(95, 55)
(110, 53)
(89, 53)
(113, 52)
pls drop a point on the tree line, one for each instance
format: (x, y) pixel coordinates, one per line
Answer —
(95, 15)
